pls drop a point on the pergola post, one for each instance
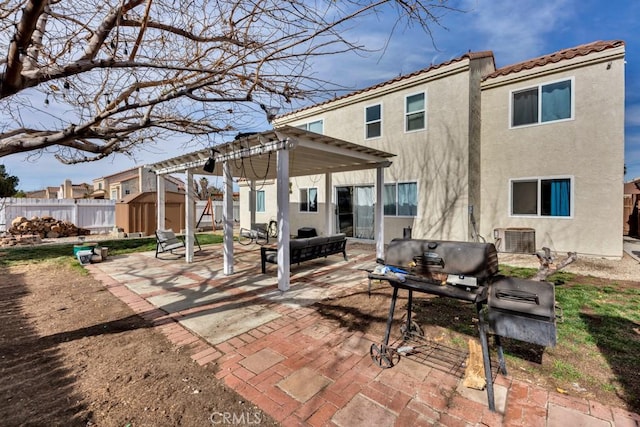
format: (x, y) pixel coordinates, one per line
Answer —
(283, 220)
(252, 202)
(160, 202)
(379, 213)
(227, 217)
(328, 205)
(190, 216)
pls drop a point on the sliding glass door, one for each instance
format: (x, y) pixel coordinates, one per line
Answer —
(354, 211)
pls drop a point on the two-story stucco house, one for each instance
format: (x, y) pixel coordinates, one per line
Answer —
(532, 152)
(553, 149)
(130, 182)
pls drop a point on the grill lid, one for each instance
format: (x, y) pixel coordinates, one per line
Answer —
(429, 257)
(522, 296)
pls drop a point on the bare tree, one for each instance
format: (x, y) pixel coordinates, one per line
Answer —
(203, 192)
(108, 75)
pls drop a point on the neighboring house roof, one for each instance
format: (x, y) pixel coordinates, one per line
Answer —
(632, 187)
(582, 50)
(469, 56)
(122, 174)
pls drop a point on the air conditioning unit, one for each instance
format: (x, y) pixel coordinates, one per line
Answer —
(515, 240)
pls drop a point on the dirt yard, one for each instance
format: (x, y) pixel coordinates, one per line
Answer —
(72, 354)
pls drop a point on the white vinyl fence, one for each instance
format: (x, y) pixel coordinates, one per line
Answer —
(206, 220)
(99, 216)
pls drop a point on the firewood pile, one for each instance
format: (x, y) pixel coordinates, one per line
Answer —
(45, 227)
(7, 239)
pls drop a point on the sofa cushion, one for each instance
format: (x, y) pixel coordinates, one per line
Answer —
(337, 237)
(320, 240)
(298, 243)
(271, 257)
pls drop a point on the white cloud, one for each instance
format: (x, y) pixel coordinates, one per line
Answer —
(632, 115)
(516, 30)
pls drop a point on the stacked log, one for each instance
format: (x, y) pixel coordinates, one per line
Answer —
(45, 227)
(10, 240)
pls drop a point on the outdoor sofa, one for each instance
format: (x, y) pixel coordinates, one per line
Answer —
(306, 249)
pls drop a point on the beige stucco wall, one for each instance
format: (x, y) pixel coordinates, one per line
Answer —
(436, 158)
(589, 149)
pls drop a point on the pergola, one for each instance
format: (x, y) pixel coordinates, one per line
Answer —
(276, 154)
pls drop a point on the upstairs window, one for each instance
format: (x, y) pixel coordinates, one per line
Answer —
(541, 104)
(373, 121)
(415, 114)
(541, 197)
(316, 126)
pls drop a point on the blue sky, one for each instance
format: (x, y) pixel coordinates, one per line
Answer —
(514, 30)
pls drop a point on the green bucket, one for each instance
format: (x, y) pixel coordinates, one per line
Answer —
(83, 247)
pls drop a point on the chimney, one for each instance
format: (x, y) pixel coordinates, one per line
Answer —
(68, 189)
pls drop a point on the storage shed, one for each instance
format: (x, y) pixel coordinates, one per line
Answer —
(137, 213)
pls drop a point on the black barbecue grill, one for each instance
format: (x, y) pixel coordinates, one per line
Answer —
(516, 308)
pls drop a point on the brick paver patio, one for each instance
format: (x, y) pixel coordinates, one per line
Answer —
(303, 368)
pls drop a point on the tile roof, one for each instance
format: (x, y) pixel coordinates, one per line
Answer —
(469, 55)
(582, 50)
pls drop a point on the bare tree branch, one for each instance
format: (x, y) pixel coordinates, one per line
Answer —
(87, 78)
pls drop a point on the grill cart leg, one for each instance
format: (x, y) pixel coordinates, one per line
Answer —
(384, 356)
(409, 304)
(503, 365)
(410, 329)
(486, 358)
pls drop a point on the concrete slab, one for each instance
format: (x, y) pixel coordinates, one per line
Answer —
(262, 360)
(220, 324)
(632, 247)
(361, 411)
(303, 384)
(173, 302)
(147, 285)
(299, 295)
(561, 416)
(480, 396)
(133, 273)
(206, 272)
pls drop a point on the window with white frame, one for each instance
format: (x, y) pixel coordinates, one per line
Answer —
(541, 197)
(401, 199)
(415, 112)
(316, 126)
(309, 199)
(541, 104)
(260, 201)
(373, 121)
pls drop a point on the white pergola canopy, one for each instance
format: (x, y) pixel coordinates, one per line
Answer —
(253, 157)
(276, 154)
